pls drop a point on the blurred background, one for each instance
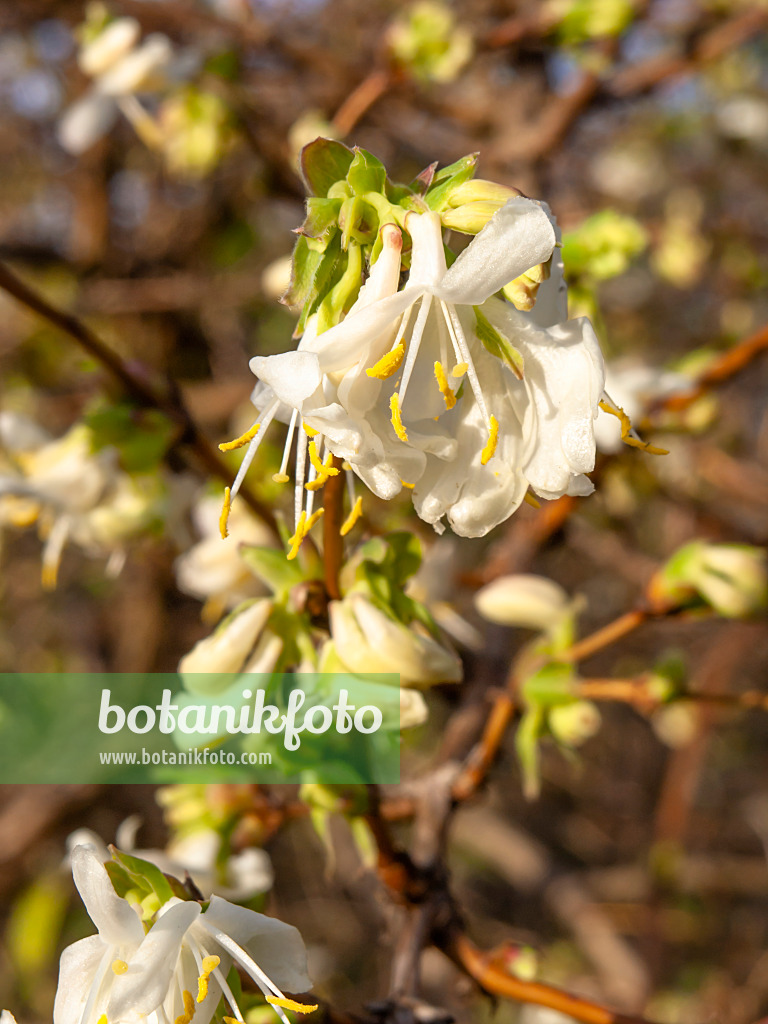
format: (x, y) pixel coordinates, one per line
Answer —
(150, 187)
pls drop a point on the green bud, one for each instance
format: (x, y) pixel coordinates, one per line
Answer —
(729, 578)
(471, 217)
(478, 190)
(575, 723)
(550, 685)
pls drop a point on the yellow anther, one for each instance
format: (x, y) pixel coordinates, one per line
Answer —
(442, 383)
(530, 500)
(354, 515)
(315, 517)
(231, 1020)
(406, 484)
(189, 1008)
(397, 423)
(280, 478)
(628, 435)
(345, 465)
(309, 431)
(291, 1004)
(459, 369)
(119, 966)
(324, 469)
(209, 965)
(225, 510)
(242, 441)
(493, 437)
(50, 575)
(298, 537)
(388, 364)
(103, 1019)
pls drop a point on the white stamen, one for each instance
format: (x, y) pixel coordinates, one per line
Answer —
(457, 336)
(253, 447)
(413, 346)
(301, 464)
(288, 442)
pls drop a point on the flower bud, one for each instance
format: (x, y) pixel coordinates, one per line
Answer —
(471, 217)
(575, 723)
(730, 578)
(367, 640)
(227, 648)
(531, 602)
(478, 190)
(523, 290)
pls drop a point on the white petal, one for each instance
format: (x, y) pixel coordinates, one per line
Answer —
(136, 69)
(293, 376)
(114, 42)
(85, 122)
(116, 920)
(146, 982)
(342, 345)
(552, 297)
(77, 971)
(428, 255)
(277, 948)
(515, 239)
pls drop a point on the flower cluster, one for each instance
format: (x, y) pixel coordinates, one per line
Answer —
(441, 385)
(177, 968)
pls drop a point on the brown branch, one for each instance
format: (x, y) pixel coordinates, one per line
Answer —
(189, 434)
(609, 634)
(360, 100)
(718, 372)
(496, 981)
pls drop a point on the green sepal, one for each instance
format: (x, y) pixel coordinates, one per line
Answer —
(272, 567)
(325, 269)
(322, 216)
(366, 173)
(550, 686)
(497, 344)
(323, 162)
(527, 748)
(145, 876)
(343, 293)
(447, 179)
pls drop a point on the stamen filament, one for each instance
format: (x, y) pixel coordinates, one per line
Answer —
(413, 347)
(457, 333)
(282, 477)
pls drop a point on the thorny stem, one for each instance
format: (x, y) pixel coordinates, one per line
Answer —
(135, 386)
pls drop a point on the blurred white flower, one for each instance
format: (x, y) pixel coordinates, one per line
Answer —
(120, 68)
(214, 571)
(527, 601)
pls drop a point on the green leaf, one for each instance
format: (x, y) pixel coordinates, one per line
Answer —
(366, 173)
(448, 178)
(143, 874)
(35, 923)
(497, 344)
(323, 163)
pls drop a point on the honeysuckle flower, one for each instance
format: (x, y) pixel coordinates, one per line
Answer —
(241, 643)
(176, 970)
(76, 494)
(531, 602)
(120, 68)
(442, 387)
(368, 640)
(242, 876)
(214, 571)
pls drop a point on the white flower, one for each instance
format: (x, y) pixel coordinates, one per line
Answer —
(443, 387)
(528, 601)
(178, 969)
(367, 641)
(119, 68)
(215, 572)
